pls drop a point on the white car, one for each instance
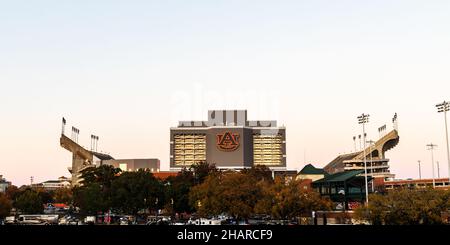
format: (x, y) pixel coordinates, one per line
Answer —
(89, 220)
(10, 220)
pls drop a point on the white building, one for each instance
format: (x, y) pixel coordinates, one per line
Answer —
(61, 182)
(4, 184)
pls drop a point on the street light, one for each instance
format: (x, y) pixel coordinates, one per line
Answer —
(363, 119)
(431, 147)
(444, 107)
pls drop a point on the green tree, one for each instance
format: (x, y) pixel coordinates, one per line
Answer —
(134, 191)
(44, 195)
(201, 171)
(90, 199)
(5, 205)
(29, 202)
(177, 190)
(102, 175)
(95, 193)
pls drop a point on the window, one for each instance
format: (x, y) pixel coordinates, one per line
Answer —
(189, 148)
(123, 166)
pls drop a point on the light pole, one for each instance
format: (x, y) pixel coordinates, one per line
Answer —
(173, 211)
(354, 142)
(363, 119)
(444, 107)
(342, 192)
(420, 172)
(157, 211)
(371, 142)
(431, 146)
(439, 174)
(359, 137)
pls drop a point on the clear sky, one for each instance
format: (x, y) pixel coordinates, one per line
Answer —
(128, 70)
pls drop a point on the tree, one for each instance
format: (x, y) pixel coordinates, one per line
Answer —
(229, 192)
(63, 195)
(45, 196)
(103, 175)
(177, 190)
(259, 173)
(12, 192)
(5, 205)
(406, 207)
(287, 200)
(29, 202)
(201, 170)
(90, 199)
(95, 194)
(205, 197)
(134, 191)
(239, 194)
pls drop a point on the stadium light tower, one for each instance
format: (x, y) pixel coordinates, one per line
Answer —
(431, 147)
(363, 119)
(444, 107)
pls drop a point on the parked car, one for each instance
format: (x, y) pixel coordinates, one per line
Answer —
(38, 219)
(10, 220)
(124, 221)
(90, 220)
(68, 220)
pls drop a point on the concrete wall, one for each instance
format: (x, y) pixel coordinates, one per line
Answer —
(135, 164)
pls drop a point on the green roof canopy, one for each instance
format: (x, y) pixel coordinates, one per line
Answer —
(310, 169)
(341, 176)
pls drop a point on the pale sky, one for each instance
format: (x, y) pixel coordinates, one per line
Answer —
(129, 70)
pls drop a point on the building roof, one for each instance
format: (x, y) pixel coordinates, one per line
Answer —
(339, 160)
(102, 156)
(53, 181)
(164, 175)
(56, 205)
(310, 169)
(340, 177)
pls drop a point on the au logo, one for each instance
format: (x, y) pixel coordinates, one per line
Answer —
(228, 141)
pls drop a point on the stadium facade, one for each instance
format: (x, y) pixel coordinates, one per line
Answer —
(228, 140)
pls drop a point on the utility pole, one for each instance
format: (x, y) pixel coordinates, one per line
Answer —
(420, 173)
(431, 147)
